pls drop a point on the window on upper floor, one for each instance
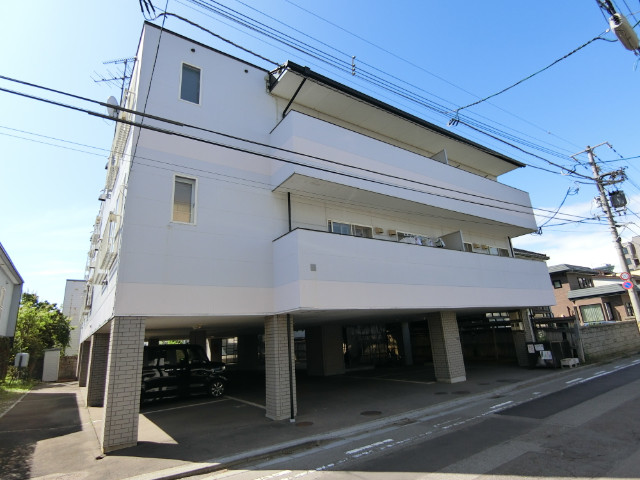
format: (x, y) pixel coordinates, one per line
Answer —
(350, 229)
(190, 84)
(585, 282)
(557, 284)
(184, 200)
(486, 249)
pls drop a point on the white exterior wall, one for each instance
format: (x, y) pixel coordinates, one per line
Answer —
(446, 187)
(7, 324)
(10, 295)
(317, 270)
(73, 307)
(227, 264)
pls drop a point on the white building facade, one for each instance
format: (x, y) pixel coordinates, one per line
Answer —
(10, 294)
(283, 200)
(73, 307)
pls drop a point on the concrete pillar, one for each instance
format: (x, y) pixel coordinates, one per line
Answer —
(198, 337)
(247, 349)
(521, 337)
(406, 344)
(124, 375)
(445, 345)
(280, 369)
(83, 363)
(97, 369)
(215, 349)
(324, 350)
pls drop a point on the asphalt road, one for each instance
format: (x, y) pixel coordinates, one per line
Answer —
(577, 428)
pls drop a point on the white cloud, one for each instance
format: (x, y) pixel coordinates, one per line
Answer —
(588, 245)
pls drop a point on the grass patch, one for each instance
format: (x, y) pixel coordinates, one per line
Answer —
(11, 390)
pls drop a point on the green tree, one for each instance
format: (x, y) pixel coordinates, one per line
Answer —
(40, 325)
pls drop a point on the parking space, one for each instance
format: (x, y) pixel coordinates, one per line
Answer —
(201, 427)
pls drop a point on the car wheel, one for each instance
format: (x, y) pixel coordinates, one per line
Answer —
(216, 388)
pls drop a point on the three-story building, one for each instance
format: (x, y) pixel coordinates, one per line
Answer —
(282, 200)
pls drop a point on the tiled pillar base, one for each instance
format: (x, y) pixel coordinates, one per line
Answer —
(445, 345)
(280, 368)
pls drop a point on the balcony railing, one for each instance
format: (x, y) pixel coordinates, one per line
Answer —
(324, 271)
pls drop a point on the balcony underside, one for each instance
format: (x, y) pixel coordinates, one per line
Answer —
(323, 189)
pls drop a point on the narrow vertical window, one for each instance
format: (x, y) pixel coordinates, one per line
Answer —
(184, 200)
(190, 84)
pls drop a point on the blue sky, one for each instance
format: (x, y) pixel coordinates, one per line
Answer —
(448, 53)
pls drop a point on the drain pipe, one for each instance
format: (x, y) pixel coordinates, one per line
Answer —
(289, 207)
(292, 371)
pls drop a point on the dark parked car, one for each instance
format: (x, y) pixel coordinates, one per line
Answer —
(180, 370)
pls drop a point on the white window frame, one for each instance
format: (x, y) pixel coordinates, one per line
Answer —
(182, 66)
(194, 198)
(352, 228)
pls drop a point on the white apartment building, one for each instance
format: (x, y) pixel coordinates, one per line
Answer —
(73, 307)
(279, 201)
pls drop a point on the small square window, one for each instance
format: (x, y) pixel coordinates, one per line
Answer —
(557, 284)
(190, 84)
(184, 199)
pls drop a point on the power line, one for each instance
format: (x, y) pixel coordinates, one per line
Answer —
(267, 186)
(345, 67)
(265, 155)
(408, 62)
(599, 37)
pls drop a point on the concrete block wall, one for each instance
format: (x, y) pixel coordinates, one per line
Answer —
(124, 376)
(280, 373)
(68, 367)
(610, 340)
(448, 361)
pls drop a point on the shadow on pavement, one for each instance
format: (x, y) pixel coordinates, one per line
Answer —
(57, 415)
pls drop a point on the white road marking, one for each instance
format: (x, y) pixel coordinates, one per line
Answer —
(146, 412)
(257, 405)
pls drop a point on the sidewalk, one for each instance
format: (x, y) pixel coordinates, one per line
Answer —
(50, 434)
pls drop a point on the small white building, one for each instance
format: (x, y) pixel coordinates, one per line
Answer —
(10, 294)
(282, 200)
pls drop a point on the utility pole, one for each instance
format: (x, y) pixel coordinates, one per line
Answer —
(606, 207)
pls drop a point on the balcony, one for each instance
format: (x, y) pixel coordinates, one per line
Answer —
(322, 272)
(406, 182)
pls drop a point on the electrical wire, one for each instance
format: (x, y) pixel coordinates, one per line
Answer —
(599, 37)
(344, 66)
(226, 178)
(408, 62)
(570, 191)
(233, 137)
(273, 157)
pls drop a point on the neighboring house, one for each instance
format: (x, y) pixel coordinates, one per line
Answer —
(631, 252)
(590, 295)
(287, 201)
(10, 294)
